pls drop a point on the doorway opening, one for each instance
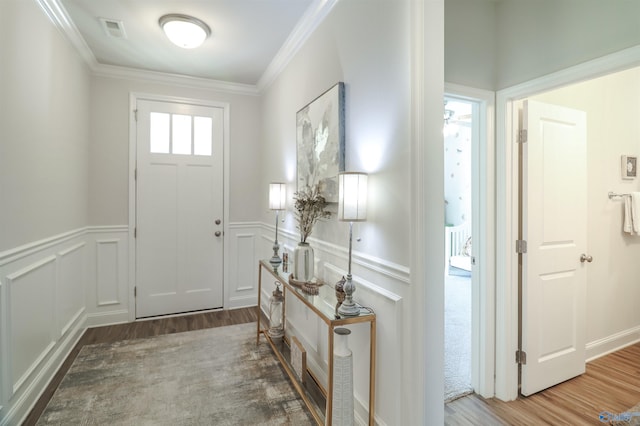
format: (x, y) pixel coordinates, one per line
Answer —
(459, 134)
(177, 205)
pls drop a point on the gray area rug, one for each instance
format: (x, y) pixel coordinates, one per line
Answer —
(457, 337)
(216, 376)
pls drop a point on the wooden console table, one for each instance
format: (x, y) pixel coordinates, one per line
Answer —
(323, 305)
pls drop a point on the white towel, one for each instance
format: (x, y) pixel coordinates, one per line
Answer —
(635, 212)
(632, 214)
(628, 218)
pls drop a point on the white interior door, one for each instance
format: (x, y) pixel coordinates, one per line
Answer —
(179, 208)
(555, 228)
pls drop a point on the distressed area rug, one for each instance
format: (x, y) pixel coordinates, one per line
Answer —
(216, 376)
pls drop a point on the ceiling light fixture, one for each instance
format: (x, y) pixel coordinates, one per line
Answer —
(184, 31)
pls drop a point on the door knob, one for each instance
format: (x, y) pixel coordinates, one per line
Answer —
(586, 257)
(218, 233)
(217, 221)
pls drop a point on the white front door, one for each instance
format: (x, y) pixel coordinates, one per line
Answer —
(179, 208)
(555, 229)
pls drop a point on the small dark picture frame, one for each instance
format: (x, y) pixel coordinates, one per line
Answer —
(629, 167)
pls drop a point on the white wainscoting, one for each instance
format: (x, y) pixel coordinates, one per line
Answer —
(50, 291)
(380, 285)
(241, 289)
(108, 285)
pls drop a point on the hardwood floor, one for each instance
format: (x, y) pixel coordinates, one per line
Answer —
(137, 330)
(611, 383)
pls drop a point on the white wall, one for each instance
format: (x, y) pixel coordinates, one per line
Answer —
(372, 59)
(377, 108)
(44, 120)
(497, 44)
(470, 43)
(612, 104)
(79, 257)
(57, 275)
(109, 148)
(536, 38)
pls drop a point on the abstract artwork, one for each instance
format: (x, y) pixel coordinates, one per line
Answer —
(629, 167)
(320, 142)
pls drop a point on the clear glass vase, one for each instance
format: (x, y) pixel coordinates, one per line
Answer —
(303, 262)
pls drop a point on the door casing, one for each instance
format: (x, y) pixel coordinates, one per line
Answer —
(483, 290)
(507, 195)
(133, 100)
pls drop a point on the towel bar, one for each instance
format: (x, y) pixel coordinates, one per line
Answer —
(613, 195)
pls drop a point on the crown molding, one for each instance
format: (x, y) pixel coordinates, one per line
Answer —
(60, 18)
(114, 71)
(315, 14)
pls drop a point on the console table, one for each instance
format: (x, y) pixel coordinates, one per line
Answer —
(323, 305)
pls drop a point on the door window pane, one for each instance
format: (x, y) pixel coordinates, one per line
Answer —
(181, 134)
(202, 127)
(159, 133)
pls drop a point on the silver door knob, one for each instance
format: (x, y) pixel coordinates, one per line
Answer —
(586, 257)
(218, 233)
(218, 222)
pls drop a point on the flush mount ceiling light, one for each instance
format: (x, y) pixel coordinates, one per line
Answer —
(184, 31)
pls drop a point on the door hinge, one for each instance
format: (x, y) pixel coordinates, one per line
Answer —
(135, 114)
(521, 246)
(135, 232)
(521, 357)
(523, 136)
(473, 260)
(135, 174)
(135, 292)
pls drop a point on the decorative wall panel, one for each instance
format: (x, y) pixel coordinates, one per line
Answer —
(32, 316)
(241, 280)
(107, 271)
(47, 297)
(71, 286)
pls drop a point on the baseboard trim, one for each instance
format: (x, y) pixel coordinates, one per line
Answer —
(107, 318)
(241, 302)
(28, 397)
(615, 342)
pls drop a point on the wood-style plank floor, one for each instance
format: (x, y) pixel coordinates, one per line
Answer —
(137, 330)
(611, 383)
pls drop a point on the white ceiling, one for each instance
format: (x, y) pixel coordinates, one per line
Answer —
(249, 37)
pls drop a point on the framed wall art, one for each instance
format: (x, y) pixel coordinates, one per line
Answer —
(320, 142)
(629, 167)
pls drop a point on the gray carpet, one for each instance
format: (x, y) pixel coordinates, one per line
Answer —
(457, 337)
(216, 376)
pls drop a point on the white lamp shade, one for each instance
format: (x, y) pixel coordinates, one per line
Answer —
(277, 196)
(352, 196)
(184, 31)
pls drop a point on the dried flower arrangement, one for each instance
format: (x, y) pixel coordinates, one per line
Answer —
(310, 207)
